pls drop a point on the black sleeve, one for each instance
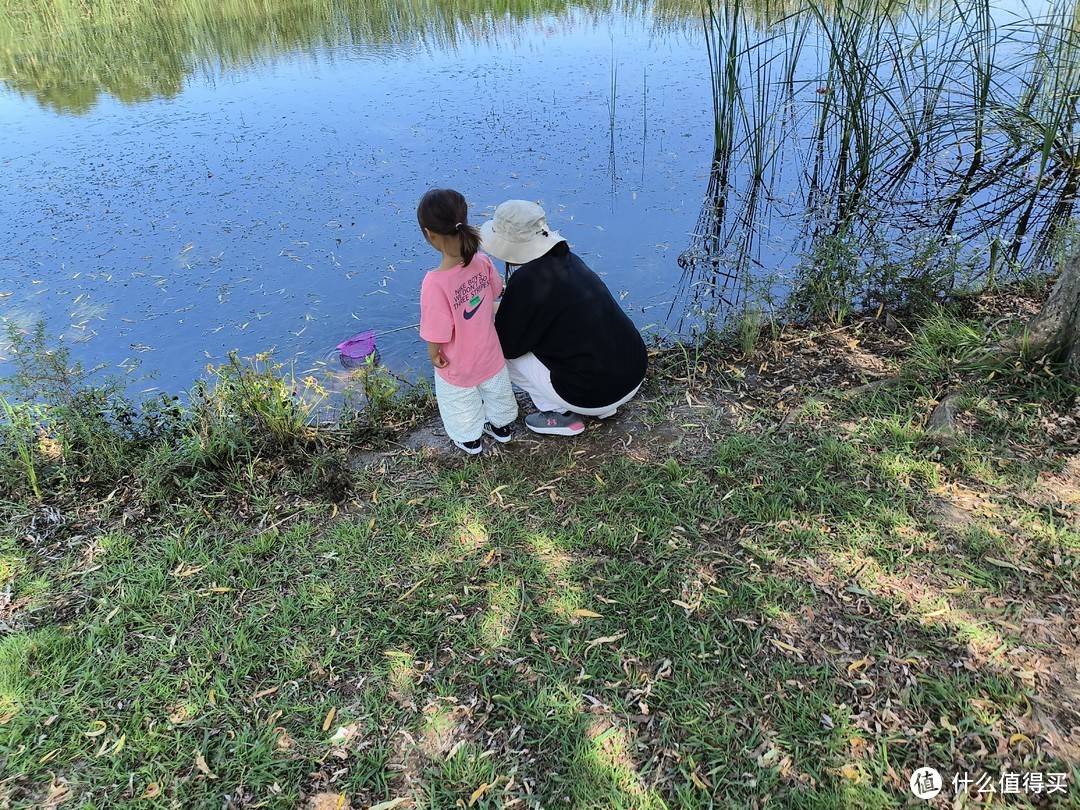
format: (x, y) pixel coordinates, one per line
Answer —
(515, 320)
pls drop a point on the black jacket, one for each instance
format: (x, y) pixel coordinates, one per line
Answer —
(560, 310)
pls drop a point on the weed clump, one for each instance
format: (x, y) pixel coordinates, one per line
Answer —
(65, 428)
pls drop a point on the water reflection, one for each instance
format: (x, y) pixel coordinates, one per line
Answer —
(68, 53)
(863, 156)
(243, 174)
(272, 205)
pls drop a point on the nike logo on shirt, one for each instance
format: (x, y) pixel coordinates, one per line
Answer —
(476, 306)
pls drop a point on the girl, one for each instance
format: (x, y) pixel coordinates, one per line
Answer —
(457, 311)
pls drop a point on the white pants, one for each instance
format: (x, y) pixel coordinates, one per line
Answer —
(534, 378)
(464, 410)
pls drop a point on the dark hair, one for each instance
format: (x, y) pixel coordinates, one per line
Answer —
(445, 212)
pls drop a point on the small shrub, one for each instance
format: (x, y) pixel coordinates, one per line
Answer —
(74, 423)
(247, 409)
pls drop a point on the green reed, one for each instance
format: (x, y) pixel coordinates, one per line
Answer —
(752, 84)
(892, 128)
(1047, 120)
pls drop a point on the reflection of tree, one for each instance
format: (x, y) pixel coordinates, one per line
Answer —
(66, 53)
(72, 83)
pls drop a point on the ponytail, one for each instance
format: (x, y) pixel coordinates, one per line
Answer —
(470, 241)
(445, 212)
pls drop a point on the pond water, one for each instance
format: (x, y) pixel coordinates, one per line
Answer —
(271, 205)
(186, 179)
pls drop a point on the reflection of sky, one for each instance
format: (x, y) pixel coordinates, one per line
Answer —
(276, 206)
(273, 205)
(1007, 11)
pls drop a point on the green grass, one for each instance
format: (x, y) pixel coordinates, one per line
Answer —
(766, 617)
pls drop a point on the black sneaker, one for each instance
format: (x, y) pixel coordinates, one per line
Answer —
(500, 434)
(472, 448)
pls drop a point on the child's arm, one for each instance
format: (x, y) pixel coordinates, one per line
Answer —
(434, 351)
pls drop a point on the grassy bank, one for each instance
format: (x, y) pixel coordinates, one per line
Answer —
(763, 585)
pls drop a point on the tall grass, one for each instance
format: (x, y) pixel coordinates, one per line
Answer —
(752, 85)
(72, 429)
(1043, 129)
(16, 431)
(858, 143)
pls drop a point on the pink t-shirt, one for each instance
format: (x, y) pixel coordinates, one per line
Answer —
(457, 310)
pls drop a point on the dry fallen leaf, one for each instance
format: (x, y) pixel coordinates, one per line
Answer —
(390, 805)
(480, 791)
(200, 763)
(588, 614)
(1015, 738)
(284, 741)
(604, 640)
(768, 759)
(181, 571)
(862, 662)
(786, 647)
(58, 794)
(329, 718)
(411, 590)
(152, 791)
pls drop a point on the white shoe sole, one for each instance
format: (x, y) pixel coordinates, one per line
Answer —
(555, 431)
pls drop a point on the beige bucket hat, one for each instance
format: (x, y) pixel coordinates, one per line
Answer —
(518, 233)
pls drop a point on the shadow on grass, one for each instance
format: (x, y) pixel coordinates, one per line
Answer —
(772, 618)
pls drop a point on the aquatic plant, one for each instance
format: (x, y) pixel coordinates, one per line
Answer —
(69, 428)
(74, 423)
(919, 141)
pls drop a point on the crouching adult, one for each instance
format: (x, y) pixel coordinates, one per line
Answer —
(567, 342)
